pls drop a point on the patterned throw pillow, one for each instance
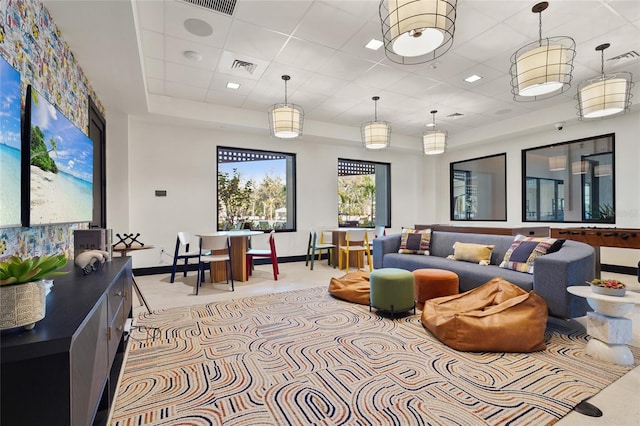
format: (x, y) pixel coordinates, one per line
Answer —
(524, 250)
(415, 242)
(469, 252)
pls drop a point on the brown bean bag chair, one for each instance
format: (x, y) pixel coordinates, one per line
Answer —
(496, 317)
(353, 287)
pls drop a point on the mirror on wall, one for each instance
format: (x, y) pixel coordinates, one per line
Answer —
(570, 181)
(478, 188)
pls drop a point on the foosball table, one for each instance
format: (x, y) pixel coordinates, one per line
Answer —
(601, 237)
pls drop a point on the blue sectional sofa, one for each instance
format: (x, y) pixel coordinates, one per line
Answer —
(572, 265)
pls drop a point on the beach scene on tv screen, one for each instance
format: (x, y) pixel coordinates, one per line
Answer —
(61, 167)
(9, 145)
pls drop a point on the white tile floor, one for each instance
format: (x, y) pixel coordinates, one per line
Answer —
(620, 402)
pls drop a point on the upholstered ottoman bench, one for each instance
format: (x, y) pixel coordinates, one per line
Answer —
(391, 290)
(431, 283)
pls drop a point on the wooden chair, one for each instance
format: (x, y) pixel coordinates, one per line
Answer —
(269, 252)
(315, 246)
(356, 241)
(219, 248)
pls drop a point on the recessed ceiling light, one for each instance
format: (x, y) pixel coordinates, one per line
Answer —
(192, 56)
(374, 44)
(430, 125)
(472, 78)
(233, 86)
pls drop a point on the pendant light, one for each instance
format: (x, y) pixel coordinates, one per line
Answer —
(285, 120)
(376, 134)
(604, 95)
(542, 69)
(417, 31)
(434, 141)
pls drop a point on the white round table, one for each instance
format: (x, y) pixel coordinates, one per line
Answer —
(610, 331)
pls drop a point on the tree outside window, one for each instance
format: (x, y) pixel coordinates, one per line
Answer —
(256, 189)
(363, 194)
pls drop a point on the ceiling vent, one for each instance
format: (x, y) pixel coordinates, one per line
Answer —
(632, 54)
(226, 7)
(244, 65)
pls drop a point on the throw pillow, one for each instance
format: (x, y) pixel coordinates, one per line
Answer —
(476, 253)
(415, 242)
(524, 250)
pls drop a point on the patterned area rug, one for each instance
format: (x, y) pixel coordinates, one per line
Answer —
(306, 358)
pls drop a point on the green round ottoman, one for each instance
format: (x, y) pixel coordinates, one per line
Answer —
(391, 290)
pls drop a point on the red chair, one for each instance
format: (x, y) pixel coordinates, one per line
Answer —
(270, 253)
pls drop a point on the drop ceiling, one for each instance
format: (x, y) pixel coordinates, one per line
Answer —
(136, 51)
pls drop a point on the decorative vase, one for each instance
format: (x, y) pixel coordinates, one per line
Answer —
(22, 304)
(619, 292)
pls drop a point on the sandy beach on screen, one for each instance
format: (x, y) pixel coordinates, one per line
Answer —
(46, 206)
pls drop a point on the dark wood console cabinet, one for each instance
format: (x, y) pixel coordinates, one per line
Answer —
(65, 370)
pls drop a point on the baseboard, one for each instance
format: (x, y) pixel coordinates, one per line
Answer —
(153, 270)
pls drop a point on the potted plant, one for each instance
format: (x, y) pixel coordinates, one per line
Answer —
(23, 289)
(608, 287)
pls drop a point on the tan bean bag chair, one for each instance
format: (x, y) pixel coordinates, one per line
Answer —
(353, 287)
(495, 317)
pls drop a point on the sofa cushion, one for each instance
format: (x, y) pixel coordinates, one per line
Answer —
(415, 242)
(470, 252)
(524, 250)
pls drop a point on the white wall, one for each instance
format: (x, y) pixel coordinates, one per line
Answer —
(181, 159)
(146, 154)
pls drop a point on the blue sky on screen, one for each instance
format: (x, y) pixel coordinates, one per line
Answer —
(9, 105)
(75, 149)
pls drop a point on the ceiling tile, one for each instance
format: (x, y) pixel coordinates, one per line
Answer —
(328, 25)
(177, 73)
(282, 16)
(153, 44)
(254, 41)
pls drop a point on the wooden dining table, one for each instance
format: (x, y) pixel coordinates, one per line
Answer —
(339, 239)
(239, 244)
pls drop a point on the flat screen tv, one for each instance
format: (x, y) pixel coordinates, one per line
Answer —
(10, 146)
(59, 165)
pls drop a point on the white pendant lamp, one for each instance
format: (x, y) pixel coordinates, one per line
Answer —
(417, 31)
(285, 120)
(557, 163)
(434, 141)
(542, 69)
(376, 134)
(604, 95)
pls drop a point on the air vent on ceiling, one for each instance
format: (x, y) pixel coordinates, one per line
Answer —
(222, 6)
(455, 115)
(244, 65)
(632, 54)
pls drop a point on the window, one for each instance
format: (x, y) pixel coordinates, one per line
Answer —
(364, 194)
(570, 181)
(256, 189)
(479, 188)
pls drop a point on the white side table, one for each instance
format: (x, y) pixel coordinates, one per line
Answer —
(610, 331)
